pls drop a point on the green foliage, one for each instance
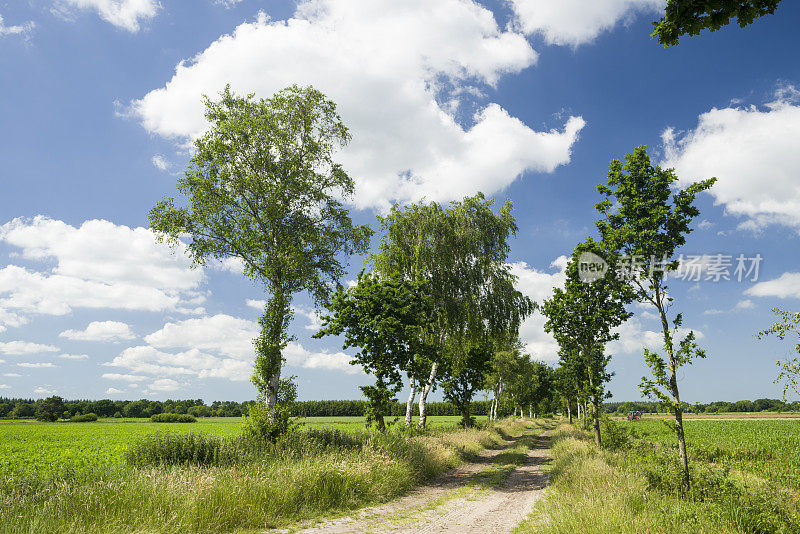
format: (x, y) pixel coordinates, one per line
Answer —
(582, 317)
(789, 370)
(263, 187)
(644, 220)
(690, 17)
(172, 418)
(49, 409)
(85, 418)
(466, 374)
(265, 425)
(386, 319)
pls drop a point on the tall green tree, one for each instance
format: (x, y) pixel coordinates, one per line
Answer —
(645, 221)
(462, 253)
(263, 187)
(385, 318)
(49, 409)
(582, 317)
(690, 17)
(789, 369)
(466, 375)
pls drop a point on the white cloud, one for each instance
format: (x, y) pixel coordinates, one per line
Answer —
(5, 386)
(227, 3)
(311, 315)
(538, 286)
(160, 162)
(25, 347)
(125, 14)
(218, 346)
(44, 391)
(74, 356)
(785, 286)
(100, 331)
(222, 334)
(402, 73)
(753, 152)
(126, 378)
(114, 391)
(15, 375)
(740, 306)
(97, 265)
(298, 356)
(19, 29)
(37, 365)
(256, 304)
(164, 384)
(634, 337)
(576, 22)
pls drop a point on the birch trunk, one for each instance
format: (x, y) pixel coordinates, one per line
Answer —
(410, 403)
(423, 397)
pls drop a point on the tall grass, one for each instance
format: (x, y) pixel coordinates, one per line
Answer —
(636, 488)
(203, 484)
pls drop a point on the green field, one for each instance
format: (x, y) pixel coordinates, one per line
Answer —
(768, 448)
(57, 449)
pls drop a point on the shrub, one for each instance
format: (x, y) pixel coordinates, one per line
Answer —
(83, 418)
(180, 449)
(117, 415)
(262, 426)
(172, 418)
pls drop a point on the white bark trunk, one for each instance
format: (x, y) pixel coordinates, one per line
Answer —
(424, 395)
(410, 403)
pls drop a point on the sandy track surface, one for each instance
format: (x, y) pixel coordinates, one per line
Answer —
(455, 503)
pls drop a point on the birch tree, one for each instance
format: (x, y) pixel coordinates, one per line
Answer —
(263, 188)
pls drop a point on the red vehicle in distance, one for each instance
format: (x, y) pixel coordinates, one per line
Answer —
(634, 415)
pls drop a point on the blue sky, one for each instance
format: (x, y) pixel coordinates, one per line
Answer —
(525, 99)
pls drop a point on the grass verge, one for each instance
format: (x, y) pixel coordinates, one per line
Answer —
(635, 488)
(316, 473)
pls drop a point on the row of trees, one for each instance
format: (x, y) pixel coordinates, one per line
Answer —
(643, 219)
(758, 405)
(22, 408)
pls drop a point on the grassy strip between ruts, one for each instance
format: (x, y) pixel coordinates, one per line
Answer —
(635, 488)
(275, 490)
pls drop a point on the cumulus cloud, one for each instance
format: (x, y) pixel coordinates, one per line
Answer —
(5, 386)
(218, 346)
(23, 30)
(74, 356)
(576, 22)
(405, 76)
(44, 391)
(97, 265)
(755, 154)
(24, 347)
(100, 331)
(785, 286)
(312, 316)
(114, 391)
(37, 365)
(164, 384)
(125, 14)
(538, 286)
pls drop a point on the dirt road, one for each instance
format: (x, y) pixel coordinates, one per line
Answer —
(474, 498)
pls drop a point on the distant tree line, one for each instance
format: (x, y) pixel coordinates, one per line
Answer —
(758, 405)
(16, 408)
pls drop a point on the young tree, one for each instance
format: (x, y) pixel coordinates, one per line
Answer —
(462, 253)
(582, 316)
(263, 188)
(690, 17)
(465, 376)
(645, 223)
(789, 370)
(385, 319)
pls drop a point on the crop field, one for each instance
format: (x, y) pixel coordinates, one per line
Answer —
(57, 449)
(767, 448)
